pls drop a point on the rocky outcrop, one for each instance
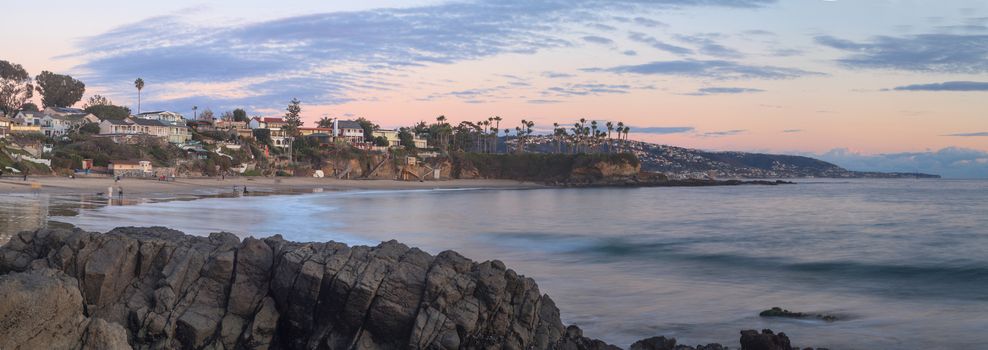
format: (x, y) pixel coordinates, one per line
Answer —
(156, 288)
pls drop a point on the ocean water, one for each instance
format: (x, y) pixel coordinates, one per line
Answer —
(903, 264)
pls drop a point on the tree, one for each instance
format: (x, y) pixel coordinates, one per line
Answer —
(407, 138)
(368, 127)
(239, 115)
(58, 90)
(293, 117)
(139, 84)
(207, 114)
(15, 87)
(325, 122)
(381, 141)
(30, 106)
(109, 112)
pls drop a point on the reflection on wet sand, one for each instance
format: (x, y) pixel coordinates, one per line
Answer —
(31, 211)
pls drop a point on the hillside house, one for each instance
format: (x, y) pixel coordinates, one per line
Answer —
(163, 116)
(55, 125)
(349, 131)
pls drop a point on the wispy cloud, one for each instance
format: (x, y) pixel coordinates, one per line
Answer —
(946, 86)
(790, 131)
(724, 90)
(658, 44)
(715, 69)
(597, 40)
(950, 162)
(661, 130)
(707, 44)
(970, 134)
(722, 133)
(584, 89)
(943, 53)
(173, 49)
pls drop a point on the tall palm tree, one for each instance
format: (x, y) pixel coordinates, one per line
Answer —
(626, 130)
(497, 126)
(610, 127)
(139, 84)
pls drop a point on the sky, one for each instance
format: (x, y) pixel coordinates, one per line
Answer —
(887, 85)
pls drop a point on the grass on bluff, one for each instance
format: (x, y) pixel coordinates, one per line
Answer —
(533, 166)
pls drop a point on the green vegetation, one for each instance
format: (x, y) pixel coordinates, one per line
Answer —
(532, 166)
(15, 87)
(59, 90)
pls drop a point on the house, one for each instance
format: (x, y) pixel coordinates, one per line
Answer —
(388, 134)
(63, 111)
(348, 130)
(135, 126)
(55, 125)
(310, 131)
(163, 116)
(202, 125)
(5, 124)
(274, 123)
(131, 168)
(28, 118)
(230, 125)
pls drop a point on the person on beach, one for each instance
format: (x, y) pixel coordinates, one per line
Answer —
(245, 189)
(25, 174)
(120, 192)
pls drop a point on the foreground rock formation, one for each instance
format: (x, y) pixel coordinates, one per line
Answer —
(156, 288)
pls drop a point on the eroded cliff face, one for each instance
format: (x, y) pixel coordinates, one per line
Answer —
(155, 288)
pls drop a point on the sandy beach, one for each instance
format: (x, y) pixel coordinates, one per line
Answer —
(153, 188)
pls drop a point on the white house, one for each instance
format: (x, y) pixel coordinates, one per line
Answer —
(28, 118)
(135, 126)
(54, 125)
(348, 130)
(163, 116)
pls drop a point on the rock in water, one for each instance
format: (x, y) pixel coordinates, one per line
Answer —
(156, 288)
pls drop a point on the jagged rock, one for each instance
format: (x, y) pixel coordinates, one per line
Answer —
(766, 340)
(169, 290)
(156, 288)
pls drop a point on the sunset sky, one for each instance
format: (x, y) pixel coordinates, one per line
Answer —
(869, 84)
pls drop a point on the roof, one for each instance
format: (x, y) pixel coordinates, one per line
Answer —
(318, 134)
(117, 121)
(31, 112)
(149, 122)
(317, 129)
(65, 109)
(70, 117)
(349, 124)
(155, 112)
(272, 120)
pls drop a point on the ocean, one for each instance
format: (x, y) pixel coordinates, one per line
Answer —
(902, 264)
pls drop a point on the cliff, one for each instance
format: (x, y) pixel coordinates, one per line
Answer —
(156, 288)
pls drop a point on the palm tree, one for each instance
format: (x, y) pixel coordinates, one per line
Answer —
(619, 130)
(325, 122)
(139, 84)
(497, 126)
(194, 115)
(626, 130)
(610, 127)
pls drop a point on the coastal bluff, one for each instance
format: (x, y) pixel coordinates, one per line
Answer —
(157, 288)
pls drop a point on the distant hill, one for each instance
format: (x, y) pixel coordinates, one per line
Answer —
(679, 162)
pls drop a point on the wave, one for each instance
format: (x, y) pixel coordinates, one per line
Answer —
(951, 280)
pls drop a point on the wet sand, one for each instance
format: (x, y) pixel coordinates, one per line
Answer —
(150, 188)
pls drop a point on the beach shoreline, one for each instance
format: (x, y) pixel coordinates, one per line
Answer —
(206, 186)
